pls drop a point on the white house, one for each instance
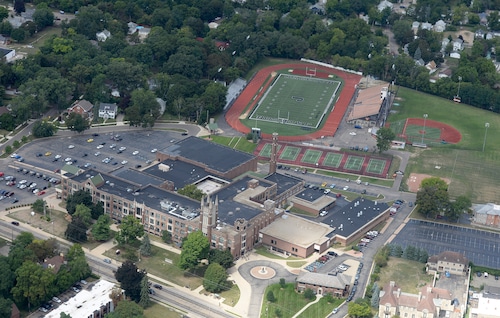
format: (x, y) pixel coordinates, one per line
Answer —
(7, 55)
(426, 26)
(415, 25)
(108, 111)
(384, 4)
(458, 45)
(439, 26)
(143, 32)
(103, 35)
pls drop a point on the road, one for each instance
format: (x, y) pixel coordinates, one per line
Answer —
(193, 306)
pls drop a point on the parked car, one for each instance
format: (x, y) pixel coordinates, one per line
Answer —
(56, 299)
(107, 260)
(157, 286)
(15, 223)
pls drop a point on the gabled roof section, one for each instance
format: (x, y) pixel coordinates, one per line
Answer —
(368, 102)
(97, 180)
(338, 281)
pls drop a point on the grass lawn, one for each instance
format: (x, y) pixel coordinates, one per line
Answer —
(261, 250)
(238, 143)
(408, 275)
(57, 224)
(472, 172)
(160, 310)
(156, 265)
(231, 296)
(287, 301)
(296, 264)
(320, 309)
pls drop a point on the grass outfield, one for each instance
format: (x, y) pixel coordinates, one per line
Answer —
(238, 143)
(472, 172)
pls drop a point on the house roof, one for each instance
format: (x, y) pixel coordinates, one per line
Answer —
(4, 52)
(488, 208)
(54, 263)
(449, 256)
(83, 103)
(367, 103)
(107, 106)
(338, 281)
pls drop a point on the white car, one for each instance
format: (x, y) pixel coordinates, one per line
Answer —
(97, 154)
(56, 299)
(58, 156)
(122, 148)
(135, 152)
(154, 150)
(88, 164)
(112, 146)
(100, 146)
(124, 162)
(346, 188)
(352, 133)
(71, 146)
(68, 159)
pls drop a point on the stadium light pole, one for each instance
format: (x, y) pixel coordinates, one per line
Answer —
(486, 125)
(423, 133)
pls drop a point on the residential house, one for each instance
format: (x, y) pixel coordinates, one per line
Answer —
(483, 18)
(440, 26)
(143, 32)
(103, 35)
(3, 40)
(485, 304)
(384, 4)
(444, 44)
(54, 263)
(82, 107)
(415, 26)
(7, 55)
(487, 215)
(132, 27)
(323, 284)
(479, 34)
(108, 111)
(448, 261)
(458, 45)
(430, 302)
(426, 26)
(431, 66)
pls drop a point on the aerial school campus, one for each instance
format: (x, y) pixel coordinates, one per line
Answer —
(306, 105)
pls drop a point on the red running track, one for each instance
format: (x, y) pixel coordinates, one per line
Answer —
(253, 91)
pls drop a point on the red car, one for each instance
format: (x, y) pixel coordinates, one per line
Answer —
(41, 193)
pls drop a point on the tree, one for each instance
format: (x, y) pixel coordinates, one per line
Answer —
(309, 294)
(192, 192)
(385, 136)
(130, 278)
(223, 258)
(76, 230)
(19, 6)
(101, 228)
(166, 237)
(77, 263)
(43, 16)
(44, 249)
(33, 284)
(5, 307)
(215, 279)
(64, 315)
(194, 248)
(432, 197)
(145, 301)
(75, 122)
(127, 309)
(282, 283)
(144, 108)
(359, 310)
(39, 206)
(43, 129)
(270, 296)
(375, 296)
(145, 246)
(78, 197)
(83, 213)
(8, 277)
(130, 229)
(4, 13)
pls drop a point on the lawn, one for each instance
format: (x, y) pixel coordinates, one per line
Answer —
(472, 172)
(288, 301)
(159, 310)
(56, 226)
(156, 265)
(320, 309)
(408, 275)
(238, 143)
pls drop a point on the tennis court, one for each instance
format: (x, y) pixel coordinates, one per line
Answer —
(375, 166)
(297, 101)
(333, 159)
(354, 163)
(290, 153)
(311, 156)
(266, 150)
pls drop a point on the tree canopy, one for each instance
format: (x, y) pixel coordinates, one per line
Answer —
(131, 228)
(130, 278)
(195, 248)
(385, 136)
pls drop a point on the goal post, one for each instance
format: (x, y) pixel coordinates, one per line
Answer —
(310, 71)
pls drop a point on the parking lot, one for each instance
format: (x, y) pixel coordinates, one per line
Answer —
(43, 159)
(480, 247)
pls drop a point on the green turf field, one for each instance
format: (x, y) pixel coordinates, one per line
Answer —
(297, 101)
(266, 150)
(354, 163)
(290, 153)
(376, 166)
(332, 159)
(472, 172)
(414, 133)
(311, 156)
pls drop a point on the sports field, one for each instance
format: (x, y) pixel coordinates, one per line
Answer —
(472, 171)
(297, 100)
(365, 164)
